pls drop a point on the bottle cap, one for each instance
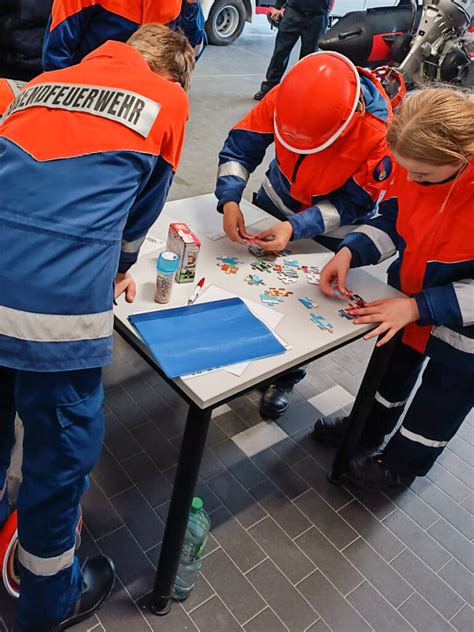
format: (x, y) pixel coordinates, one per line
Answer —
(197, 504)
(167, 262)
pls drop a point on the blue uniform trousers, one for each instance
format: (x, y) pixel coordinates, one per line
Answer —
(440, 405)
(63, 423)
(7, 434)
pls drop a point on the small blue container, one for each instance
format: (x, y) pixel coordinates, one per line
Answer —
(166, 267)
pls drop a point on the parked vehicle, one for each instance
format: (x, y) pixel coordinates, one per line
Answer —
(430, 43)
(225, 19)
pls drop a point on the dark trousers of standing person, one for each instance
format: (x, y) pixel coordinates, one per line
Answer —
(309, 26)
(440, 405)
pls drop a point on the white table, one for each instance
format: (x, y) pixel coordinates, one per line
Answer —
(209, 390)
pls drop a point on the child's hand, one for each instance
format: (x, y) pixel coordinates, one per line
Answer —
(392, 314)
(234, 223)
(274, 238)
(333, 275)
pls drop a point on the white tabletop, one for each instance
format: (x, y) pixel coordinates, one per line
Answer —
(304, 337)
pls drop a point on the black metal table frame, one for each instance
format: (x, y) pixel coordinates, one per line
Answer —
(194, 442)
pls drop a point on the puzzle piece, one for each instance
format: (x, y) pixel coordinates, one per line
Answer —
(257, 251)
(266, 254)
(289, 272)
(229, 265)
(313, 278)
(322, 323)
(227, 268)
(253, 279)
(270, 300)
(278, 292)
(261, 266)
(290, 263)
(230, 261)
(308, 302)
(357, 299)
(343, 313)
(309, 269)
(356, 302)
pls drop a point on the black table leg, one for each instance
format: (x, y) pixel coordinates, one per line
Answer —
(370, 383)
(190, 457)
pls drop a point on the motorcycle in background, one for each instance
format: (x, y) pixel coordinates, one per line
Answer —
(429, 43)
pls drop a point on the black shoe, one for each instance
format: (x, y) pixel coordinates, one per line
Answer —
(275, 401)
(330, 430)
(258, 96)
(373, 474)
(99, 579)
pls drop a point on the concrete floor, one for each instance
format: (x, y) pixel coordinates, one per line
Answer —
(288, 551)
(221, 93)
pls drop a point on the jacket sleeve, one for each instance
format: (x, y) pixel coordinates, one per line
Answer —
(356, 199)
(451, 305)
(68, 39)
(339, 208)
(144, 212)
(244, 149)
(376, 239)
(61, 43)
(191, 22)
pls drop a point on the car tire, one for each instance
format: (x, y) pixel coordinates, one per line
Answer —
(225, 22)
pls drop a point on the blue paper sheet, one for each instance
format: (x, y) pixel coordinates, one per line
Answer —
(205, 336)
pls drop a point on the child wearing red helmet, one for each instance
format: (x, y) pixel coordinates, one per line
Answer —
(328, 121)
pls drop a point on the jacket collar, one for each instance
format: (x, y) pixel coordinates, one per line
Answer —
(120, 51)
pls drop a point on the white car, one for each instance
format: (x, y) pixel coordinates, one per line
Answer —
(225, 19)
(341, 7)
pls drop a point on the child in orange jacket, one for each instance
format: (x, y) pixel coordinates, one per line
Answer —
(428, 217)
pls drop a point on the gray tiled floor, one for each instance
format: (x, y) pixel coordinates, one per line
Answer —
(289, 551)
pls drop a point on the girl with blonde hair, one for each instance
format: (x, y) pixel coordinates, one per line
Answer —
(427, 215)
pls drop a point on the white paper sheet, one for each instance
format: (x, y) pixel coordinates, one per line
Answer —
(151, 244)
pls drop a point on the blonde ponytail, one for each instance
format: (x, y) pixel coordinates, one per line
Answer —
(435, 126)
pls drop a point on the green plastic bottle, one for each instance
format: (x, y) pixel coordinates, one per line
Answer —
(194, 544)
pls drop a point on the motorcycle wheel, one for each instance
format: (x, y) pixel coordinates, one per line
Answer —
(454, 67)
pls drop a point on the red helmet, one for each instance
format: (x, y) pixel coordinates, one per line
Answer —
(316, 102)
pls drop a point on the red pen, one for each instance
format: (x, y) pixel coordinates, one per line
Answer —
(197, 291)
